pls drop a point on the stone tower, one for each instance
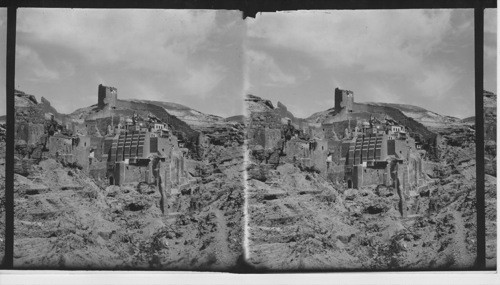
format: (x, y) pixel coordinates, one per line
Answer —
(343, 99)
(107, 97)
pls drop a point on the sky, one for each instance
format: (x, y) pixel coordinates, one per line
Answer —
(418, 57)
(188, 57)
(208, 60)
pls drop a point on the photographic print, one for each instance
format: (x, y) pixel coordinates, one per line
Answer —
(128, 139)
(361, 140)
(258, 140)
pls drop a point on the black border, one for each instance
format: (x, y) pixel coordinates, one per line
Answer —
(8, 260)
(250, 8)
(480, 203)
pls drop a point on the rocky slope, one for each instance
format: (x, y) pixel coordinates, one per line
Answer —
(190, 116)
(126, 108)
(427, 118)
(363, 111)
(300, 221)
(490, 135)
(65, 219)
(26, 100)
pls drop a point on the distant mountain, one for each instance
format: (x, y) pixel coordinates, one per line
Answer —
(237, 118)
(142, 108)
(427, 118)
(192, 117)
(364, 111)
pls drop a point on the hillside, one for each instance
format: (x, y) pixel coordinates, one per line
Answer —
(425, 117)
(255, 104)
(363, 111)
(300, 220)
(490, 132)
(190, 116)
(237, 118)
(23, 99)
(69, 218)
(142, 109)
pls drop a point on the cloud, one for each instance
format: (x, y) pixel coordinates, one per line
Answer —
(490, 37)
(436, 82)
(166, 44)
(381, 93)
(199, 81)
(490, 53)
(490, 21)
(159, 40)
(376, 41)
(37, 68)
(404, 56)
(264, 67)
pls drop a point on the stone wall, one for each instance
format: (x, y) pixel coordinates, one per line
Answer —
(363, 176)
(107, 96)
(344, 99)
(401, 149)
(163, 146)
(366, 148)
(58, 145)
(318, 156)
(336, 173)
(316, 132)
(336, 167)
(311, 154)
(129, 145)
(79, 128)
(97, 170)
(263, 129)
(92, 128)
(70, 150)
(296, 150)
(329, 132)
(125, 173)
(97, 144)
(30, 133)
